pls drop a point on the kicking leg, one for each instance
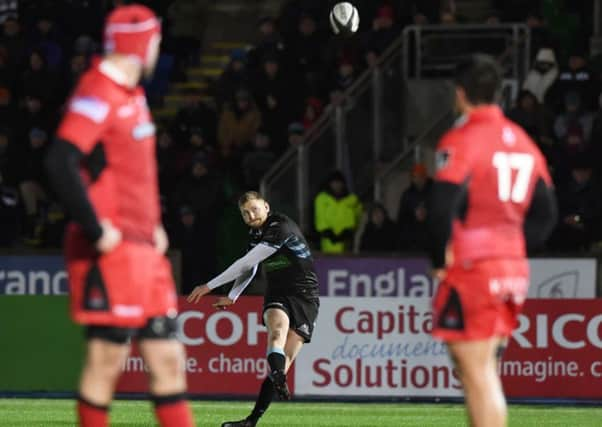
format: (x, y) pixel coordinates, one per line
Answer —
(102, 368)
(477, 366)
(292, 347)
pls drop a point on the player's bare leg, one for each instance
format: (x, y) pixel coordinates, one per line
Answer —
(477, 365)
(165, 359)
(293, 346)
(277, 322)
(102, 367)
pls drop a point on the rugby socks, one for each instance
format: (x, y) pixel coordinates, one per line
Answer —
(266, 395)
(173, 410)
(91, 415)
(276, 359)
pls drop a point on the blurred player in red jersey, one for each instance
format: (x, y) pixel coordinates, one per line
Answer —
(103, 168)
(492, 199)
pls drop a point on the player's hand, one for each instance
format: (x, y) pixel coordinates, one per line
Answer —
(161, 239)
(438, 273)
(197, 293)
(222, 303)
(110, 237)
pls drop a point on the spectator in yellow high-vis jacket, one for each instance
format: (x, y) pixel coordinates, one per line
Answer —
(337, 215)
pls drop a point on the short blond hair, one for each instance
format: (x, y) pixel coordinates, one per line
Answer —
(248, 196)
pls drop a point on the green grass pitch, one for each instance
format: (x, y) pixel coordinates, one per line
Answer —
(48, 413)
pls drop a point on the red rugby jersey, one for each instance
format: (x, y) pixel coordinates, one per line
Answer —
(111, 123)
(500, 167)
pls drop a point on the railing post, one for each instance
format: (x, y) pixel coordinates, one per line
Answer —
(302, 186)
(515, 42)
(377, 125)
(418, 53)
(339, 139)
(377, 107)
(405, 54)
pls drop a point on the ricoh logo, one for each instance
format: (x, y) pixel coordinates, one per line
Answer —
(223, 328)
(572, 331)
(33, 282)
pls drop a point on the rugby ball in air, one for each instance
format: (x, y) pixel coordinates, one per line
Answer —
(344, 19)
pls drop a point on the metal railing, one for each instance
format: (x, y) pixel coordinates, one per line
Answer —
(437, 48)
(364, 135)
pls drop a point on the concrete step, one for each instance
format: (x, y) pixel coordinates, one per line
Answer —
(211, 72)
(215, 60)
(176, 101)
(183, 86)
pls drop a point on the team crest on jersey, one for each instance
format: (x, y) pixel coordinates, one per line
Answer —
(442, 159)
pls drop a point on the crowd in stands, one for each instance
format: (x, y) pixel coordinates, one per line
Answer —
(267, 97)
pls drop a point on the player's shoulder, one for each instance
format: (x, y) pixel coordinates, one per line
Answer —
(277, 219)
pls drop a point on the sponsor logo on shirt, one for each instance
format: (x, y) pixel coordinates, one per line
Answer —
(143, 130)
(90, 107)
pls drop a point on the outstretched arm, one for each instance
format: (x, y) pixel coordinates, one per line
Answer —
(238, 268)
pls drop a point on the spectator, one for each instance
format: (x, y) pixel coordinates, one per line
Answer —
(238, 126)
(344, 78)
(195, 113)
(186, 27)
(195, 143)
(421, 12)
(33, 114)
(532, 117)
(337, 213)
(10, 209)
(198, 263)
(258, 161)
(167, 163)
(7, 84)
(580, 208)
(7, 166)
(306, 49)
(77, 65)
(12, 39)
(575, 77)
(276, 97)
(542, 75)
(412, 213)
(8, 9)
(296, 131)
(596, 137)
(48, 41)
(234, 78)
(32, 183)
(516, 10)
(202, 191)
(268, 42)
(313, 111)
(38, 79)
(379, 233)
(573, 118)
(383, 31)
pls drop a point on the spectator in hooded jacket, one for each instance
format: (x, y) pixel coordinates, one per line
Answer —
(575, 77)
(542, 75)
(337, 214)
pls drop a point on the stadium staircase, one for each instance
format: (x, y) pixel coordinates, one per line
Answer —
(231, 24)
